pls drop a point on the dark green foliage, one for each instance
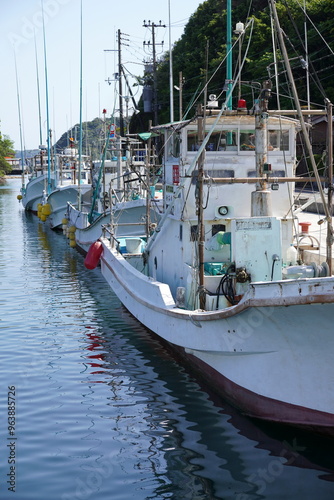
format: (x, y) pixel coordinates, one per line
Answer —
(202, 48)
(6, 150)
(93, 137)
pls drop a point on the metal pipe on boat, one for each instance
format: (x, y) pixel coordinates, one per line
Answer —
(329, 240)
(288, 112)
(254, 180)
(131, 223)
(261, 197)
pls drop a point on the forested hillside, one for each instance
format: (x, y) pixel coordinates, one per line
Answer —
(200, 53)
(200, 57)
(93, 137)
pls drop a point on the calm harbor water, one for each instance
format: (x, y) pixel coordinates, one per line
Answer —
(103, 411)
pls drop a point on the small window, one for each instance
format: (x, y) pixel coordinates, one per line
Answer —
(273, 173)
(193, 233)
(173, 145)
(251, 173)
(247, 140)
(223, 173)
(220, 140)
(278, 173)
(218, 227)
(278, 140)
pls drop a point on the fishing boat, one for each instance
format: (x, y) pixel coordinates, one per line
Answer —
(119, 187)
(33, 191)
(221, 277)
(62, 182)
(72, 184)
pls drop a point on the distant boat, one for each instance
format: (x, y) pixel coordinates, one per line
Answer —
(72, 185)
(33, 191)
(221, 277)
(119, 191)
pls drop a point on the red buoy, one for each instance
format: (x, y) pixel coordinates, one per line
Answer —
(93, 255)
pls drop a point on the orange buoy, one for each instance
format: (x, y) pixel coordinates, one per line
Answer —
(93, 255)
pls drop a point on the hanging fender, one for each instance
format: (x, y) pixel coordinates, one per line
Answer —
(93, 255)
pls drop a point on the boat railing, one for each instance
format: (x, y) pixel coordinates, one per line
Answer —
(108, 231)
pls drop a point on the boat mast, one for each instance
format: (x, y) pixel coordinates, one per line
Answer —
(148, 158)
(329, 241)
(261, 197)
(229, 52)
(20, 122)
(39, 108)
(308, 145)
(47, 108)
(171, 86)
(199, 207)
(199, 197)
(80, 120)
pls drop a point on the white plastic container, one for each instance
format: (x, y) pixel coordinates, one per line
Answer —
(291, 256)
(133, 245)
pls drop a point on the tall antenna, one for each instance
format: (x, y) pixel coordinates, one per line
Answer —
(80, 120)
(306, 59)
(229, 52)
(38, 95)
(20, 122)
(47, 106)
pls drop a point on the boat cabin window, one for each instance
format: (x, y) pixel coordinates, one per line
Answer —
(139, 155)
(193, 233)
(220, 140)
(247, 140)
(274, 173)
(216, 228)
(237, 140)
(173, 145)
(278, 140)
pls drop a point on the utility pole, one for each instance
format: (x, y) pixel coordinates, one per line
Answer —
(180, 94)
(120, 71)
(152, 25)
(120, 89)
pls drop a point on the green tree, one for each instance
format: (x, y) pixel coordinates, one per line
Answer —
(200, 53)
(6, 150)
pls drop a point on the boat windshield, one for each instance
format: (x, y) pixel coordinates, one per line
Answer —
(238, 140)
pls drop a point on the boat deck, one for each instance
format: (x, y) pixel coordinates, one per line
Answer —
(316, 233)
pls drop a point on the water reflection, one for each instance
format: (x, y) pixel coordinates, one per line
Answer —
(210, 449)
(113, 412)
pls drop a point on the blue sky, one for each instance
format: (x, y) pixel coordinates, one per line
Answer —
(21, 28)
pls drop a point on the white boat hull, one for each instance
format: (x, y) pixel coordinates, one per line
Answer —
(130, 217)
(270, 355)
(59, 199)
(34, 192)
